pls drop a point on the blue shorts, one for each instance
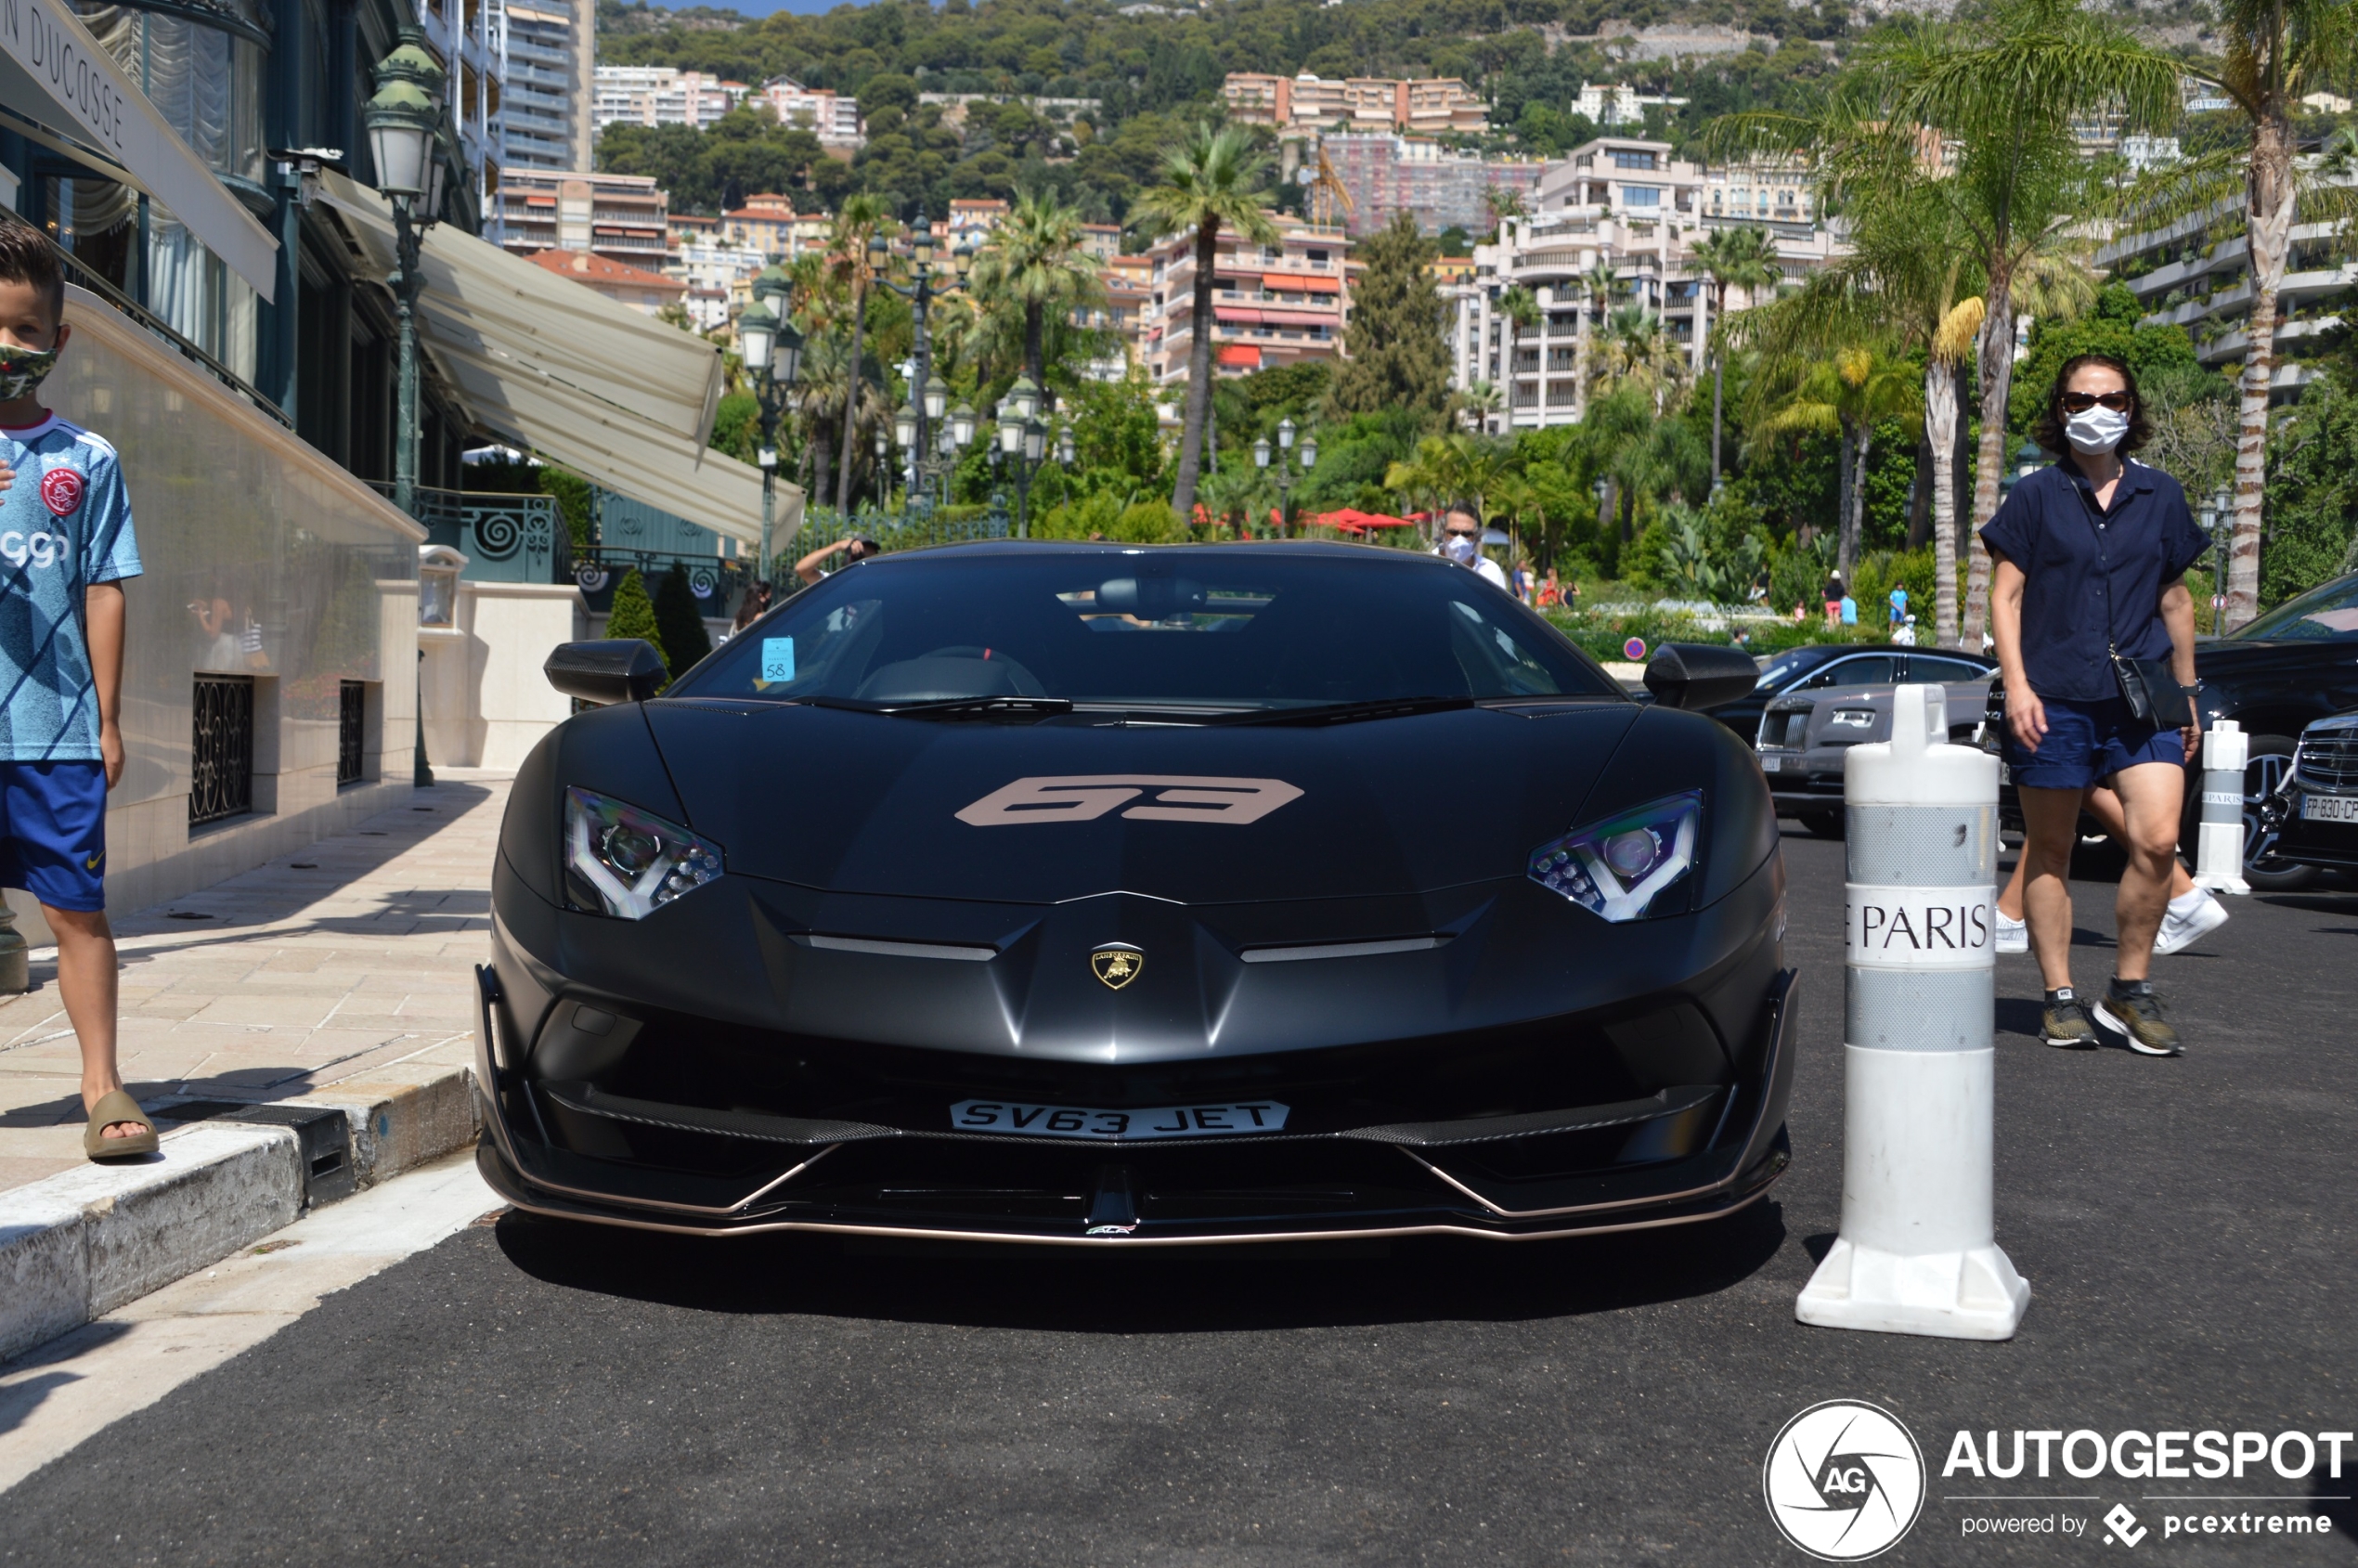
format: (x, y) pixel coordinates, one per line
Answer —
(53, 832)
(2088, 742)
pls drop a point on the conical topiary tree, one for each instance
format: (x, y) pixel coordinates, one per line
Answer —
(678, 622)
(633, 615)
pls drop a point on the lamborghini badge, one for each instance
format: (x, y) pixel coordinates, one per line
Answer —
(1117, 964)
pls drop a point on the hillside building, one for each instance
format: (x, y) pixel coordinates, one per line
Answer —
(643, 291)
(1440, 189)
(621, 217)
(1429, 105)
(662, 95)
(548, 111)
(1273, 305)
(828, 115)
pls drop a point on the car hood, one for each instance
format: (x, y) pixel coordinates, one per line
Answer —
(864, 803)
(2217, 658)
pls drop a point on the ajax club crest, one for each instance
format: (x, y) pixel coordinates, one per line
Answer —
(1116, 964)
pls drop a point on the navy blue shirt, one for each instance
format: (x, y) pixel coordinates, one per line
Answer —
(2093, 576)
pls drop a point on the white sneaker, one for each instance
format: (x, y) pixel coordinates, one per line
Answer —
(2014, 936)
(2179, 931)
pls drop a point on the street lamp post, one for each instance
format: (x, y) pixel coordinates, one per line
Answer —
(929, 399)
(1284, 474)
(404, 120)
(1023, 441)
(772, 349)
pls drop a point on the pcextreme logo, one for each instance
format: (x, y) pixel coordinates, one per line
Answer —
(1844, 1481)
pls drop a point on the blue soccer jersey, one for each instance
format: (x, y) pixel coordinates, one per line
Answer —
(64, 525)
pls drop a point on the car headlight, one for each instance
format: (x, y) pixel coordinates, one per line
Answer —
(1620, 867)
(623, 861)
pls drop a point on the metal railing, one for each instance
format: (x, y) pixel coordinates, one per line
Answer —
(221, 748)
(506, 536)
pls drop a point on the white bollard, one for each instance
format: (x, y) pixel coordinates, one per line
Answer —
(2219, 847)
(1918, 1253)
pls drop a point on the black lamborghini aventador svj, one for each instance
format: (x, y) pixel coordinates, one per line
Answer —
(1117, 896)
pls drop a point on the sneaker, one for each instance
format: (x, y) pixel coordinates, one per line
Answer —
(2137, 1018)
(2014, 936)
(2064, 1023)
(2178, 931)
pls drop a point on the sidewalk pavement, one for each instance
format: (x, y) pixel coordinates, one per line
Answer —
(332, 980)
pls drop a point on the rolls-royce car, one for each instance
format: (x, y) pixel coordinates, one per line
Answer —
(2315, 815)
(1121, 896)
(2293, 664)
(1805, 735)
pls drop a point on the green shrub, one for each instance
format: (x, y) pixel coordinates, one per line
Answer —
(633, 615)
(678, 623)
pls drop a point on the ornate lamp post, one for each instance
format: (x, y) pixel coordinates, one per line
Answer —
(771, 348)
(1284, 474)
(404, 122)
(1023, 442)
(930, 395)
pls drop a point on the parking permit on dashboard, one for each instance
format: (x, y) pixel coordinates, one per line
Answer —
(777, 658)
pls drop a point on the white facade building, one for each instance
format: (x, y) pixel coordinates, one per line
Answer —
(830, 116)
(661, 94)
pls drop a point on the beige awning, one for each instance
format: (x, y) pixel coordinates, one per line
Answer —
(54, 72)
(558, 369)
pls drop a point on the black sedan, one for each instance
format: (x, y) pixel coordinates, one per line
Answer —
(1114, 895)
(2273, 677)
(1824, 667)
(2314, 816)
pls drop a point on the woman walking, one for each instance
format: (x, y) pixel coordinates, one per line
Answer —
(2096, 635)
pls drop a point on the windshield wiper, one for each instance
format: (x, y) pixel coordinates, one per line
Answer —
(1348, 713)
(954, 707)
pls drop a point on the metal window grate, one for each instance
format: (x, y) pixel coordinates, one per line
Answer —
(351, 714)
(221, 748)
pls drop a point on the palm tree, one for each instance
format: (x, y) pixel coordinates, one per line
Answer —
(1210, 180)
(1034, 261)
(860, 220)
(1741, 258)
(2009, 89)
(2276, 51)
(1599, 285)
(1638, 353)
(1503, 204)
(1480, 403)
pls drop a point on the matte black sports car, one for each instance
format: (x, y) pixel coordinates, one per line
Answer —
(1090, 893)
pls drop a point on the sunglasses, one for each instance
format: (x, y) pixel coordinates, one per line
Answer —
(2080, 401)
(1461, 533)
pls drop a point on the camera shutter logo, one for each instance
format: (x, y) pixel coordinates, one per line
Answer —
(1844, 1481)
(61, 491)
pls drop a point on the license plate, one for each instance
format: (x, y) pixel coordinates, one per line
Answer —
(2329, 808)
(1093, 1125)
(1772, 764)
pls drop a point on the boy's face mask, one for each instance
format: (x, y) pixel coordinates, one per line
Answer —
(21, 370)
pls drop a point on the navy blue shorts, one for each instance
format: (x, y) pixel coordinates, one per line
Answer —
(2088, 742)
(53, 832)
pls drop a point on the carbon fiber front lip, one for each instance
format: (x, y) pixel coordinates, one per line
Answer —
(1756, 1168)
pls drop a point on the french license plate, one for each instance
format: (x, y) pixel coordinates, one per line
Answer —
(2329, 808)
(1093, 1125)
(1772, 764)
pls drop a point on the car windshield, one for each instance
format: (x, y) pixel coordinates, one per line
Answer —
(1238, 629)
(2327, 613)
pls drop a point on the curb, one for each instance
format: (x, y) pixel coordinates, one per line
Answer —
(80, 1244)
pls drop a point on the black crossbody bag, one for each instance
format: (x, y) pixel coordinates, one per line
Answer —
(2149, 686)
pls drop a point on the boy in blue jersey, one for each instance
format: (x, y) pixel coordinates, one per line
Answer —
(66, 546)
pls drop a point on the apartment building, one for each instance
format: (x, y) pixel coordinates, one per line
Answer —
(2184, 278)
(1614, 104)
(463, 37)
(660, 95)
(830, 116)
(1272, 305)
(547, 118)
(1102, 240)
(1440, 189)
(1775, 194)
(1556, 256)
(643, 291)
(621, 217)
(1428, 106)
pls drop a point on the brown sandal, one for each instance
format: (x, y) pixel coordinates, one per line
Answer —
(113, 1106)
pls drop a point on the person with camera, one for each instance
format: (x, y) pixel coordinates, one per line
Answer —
(2095, 634)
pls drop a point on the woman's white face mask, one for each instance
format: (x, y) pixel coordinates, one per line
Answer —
(2096, 430)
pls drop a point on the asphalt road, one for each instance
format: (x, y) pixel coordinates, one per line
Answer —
(528, 1394)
